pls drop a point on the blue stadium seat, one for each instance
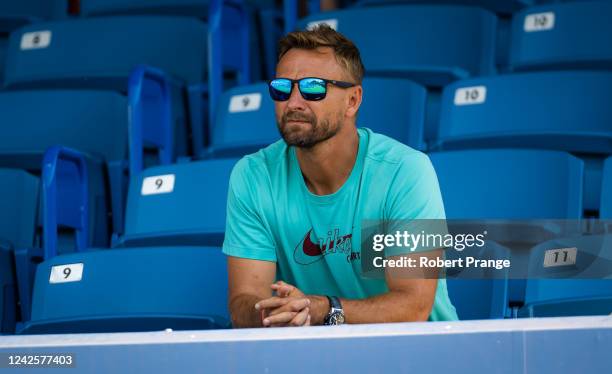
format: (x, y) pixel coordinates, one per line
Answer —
(92, 121)
(102, 52)
(510, 184)
(605, 210)
(396, 108)
(562, 35)
(585, 294)
(135, 289)
(24, 198)
(503, 6)
(505, 184)
(180, 204)
(14, 14)
(453, 42)
(231, 23)
(532, 110)
(64, 183)
(246, 120)
(576, 285)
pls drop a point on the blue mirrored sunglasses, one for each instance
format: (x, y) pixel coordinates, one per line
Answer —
(311, 88)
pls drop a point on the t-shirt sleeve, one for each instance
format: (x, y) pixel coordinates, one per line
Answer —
(246, 232)
(414, 201)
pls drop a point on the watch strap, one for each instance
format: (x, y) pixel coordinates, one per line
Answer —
(334, 303)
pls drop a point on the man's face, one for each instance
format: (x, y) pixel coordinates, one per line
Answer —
(305, 123)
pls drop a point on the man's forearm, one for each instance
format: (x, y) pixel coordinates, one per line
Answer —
(242, 310)
(393, 306)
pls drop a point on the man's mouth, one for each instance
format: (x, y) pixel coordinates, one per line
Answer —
(297, 122)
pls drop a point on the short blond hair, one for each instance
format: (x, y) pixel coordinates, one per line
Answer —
(322, 35)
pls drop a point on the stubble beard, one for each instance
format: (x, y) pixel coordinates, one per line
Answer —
(317, 132)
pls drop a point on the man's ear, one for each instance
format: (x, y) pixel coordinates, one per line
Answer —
(354, 101)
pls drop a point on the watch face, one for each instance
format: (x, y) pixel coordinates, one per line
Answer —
(336, 318)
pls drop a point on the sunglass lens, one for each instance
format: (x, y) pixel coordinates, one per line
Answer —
(280, 89)
(313, 88)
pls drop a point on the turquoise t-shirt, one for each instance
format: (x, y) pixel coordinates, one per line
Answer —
(314, 239)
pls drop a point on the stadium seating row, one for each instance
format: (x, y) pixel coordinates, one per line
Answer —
(183, 255)
(538, 33)
(460, 41)
(432, 62)
(531, 110)
(551, 117)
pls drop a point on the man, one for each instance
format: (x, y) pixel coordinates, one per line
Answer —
(295, 208)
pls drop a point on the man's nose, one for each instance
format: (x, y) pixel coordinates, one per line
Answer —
(296, 101)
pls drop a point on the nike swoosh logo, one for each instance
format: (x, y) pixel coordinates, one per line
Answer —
(310, 248)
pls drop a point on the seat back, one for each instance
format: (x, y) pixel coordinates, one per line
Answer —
(570, 277)
(101, 52)
(234, 21)
(135, 289)
(535, 110)
(94, 122)
(453, 41)
(563, 35)
(180, 204)
(245, 122)
(507, 184)
(396, 108)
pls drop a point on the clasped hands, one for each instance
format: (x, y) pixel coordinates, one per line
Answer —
(290, 307)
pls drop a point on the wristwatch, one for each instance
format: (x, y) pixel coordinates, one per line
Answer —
(336, 313)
